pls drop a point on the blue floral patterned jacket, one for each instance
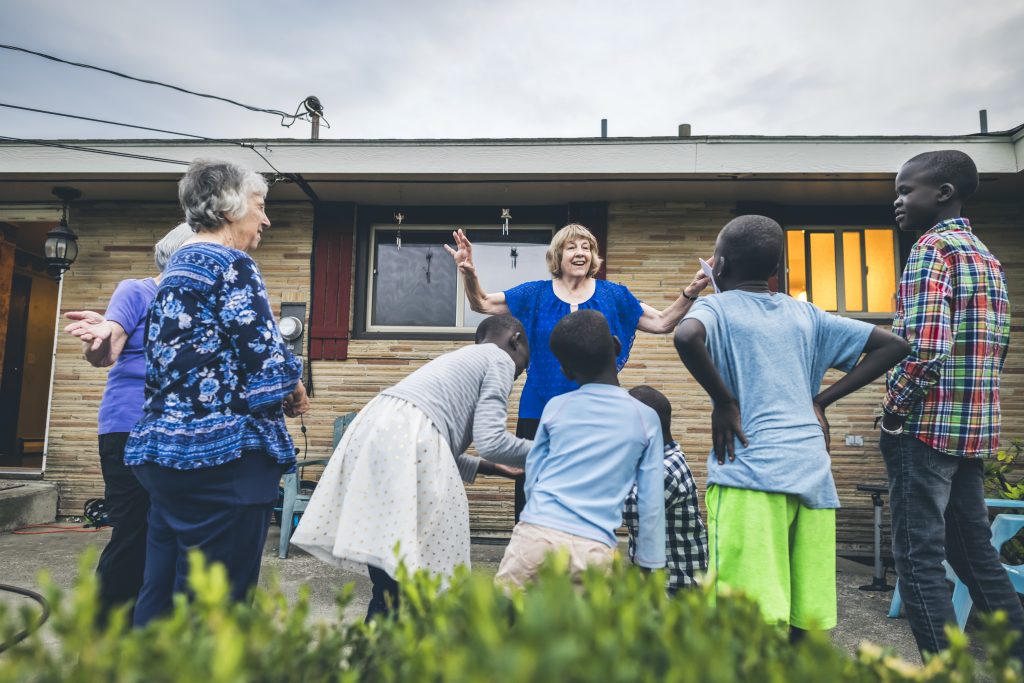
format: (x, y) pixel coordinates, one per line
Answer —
(217, 369)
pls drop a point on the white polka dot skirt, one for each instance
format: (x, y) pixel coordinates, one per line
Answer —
(392, 482)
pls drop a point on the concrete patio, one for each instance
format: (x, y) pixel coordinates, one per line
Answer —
(862, 615)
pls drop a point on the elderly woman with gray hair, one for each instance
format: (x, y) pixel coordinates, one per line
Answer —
(212, 443)
(117, 339)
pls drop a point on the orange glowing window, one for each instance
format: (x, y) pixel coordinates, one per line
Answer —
(849, 271)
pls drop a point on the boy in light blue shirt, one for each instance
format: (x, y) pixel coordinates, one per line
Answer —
(592, 444)
(761, 356)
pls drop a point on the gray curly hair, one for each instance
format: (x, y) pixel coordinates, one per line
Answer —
(213, 192)
(169, 244)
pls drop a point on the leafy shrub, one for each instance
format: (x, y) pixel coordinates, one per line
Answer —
(1003, 481)
(617, 628)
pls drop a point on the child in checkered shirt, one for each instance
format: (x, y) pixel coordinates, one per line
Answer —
(686, 539)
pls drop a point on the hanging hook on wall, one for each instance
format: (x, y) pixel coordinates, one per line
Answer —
(506, 216)
(399, 217)
(515, 257)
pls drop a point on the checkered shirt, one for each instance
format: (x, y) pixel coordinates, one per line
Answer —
(686, 539)
(954, 310)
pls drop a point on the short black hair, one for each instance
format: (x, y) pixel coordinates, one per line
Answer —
(498, 322)
(655, 400)
(949, 166)
(753, 245)
(582, 342)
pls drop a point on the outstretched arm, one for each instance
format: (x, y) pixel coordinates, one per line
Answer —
(479, 300)
(726, 425)
(102, 340)
(663, 322)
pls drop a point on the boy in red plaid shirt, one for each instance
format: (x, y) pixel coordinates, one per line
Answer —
(941, 409)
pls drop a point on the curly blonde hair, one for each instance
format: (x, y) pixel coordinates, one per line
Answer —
(573, 231)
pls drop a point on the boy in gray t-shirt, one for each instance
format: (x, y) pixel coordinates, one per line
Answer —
(761, 356)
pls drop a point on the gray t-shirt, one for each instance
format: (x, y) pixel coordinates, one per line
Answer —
(465, 394)
(772, 352)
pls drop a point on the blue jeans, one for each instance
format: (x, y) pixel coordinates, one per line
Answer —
(939, 513)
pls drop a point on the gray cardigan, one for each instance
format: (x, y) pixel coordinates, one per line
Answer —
(465, 394)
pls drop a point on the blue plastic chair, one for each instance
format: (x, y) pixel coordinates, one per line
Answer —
(1004, 527)
(295, 500)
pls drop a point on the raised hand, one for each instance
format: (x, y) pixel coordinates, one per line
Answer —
(462, 253)
(86, 324)
(700, 281)
(95, 332)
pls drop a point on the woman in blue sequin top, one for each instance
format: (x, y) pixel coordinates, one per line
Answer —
(212, 443)
(573, 260)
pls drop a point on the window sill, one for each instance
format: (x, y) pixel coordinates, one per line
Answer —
(407, 336)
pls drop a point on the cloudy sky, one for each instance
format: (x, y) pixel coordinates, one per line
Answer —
(454, 69)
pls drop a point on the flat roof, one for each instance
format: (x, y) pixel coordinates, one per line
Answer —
(373, 170)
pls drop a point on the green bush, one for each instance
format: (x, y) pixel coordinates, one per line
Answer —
(1003, 480)
(617, 628)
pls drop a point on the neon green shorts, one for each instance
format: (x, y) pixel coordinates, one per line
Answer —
(778, 552)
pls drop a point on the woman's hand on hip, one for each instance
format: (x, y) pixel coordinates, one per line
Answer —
(297, 403)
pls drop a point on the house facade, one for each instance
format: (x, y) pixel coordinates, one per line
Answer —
(355, 250)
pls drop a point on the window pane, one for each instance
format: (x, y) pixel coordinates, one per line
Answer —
(824, 282)
(501, 265)
(796, 265)
(881, 266)
(415, 285)
(853, 284)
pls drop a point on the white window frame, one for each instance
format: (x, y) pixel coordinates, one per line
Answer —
(460, 288)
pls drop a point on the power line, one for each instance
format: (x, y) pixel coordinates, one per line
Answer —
(246, 145)
(111, 123)
(276, 112)
(93, 150)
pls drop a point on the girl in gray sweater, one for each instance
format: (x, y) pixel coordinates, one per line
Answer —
(396, 478)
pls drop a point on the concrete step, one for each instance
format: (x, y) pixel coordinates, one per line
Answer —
(26, 502)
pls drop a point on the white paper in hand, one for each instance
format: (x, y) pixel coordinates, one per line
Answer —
(705, 268)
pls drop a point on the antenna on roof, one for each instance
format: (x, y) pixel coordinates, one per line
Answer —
(983, 119)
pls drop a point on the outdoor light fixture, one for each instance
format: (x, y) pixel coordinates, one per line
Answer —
(61, 247)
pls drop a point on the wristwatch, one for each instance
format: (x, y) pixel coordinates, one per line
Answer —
(890, 432)
(687, 296)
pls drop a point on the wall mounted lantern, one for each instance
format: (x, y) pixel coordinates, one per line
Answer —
(61, 247)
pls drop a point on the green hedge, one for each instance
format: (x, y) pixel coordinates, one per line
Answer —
(617, 628)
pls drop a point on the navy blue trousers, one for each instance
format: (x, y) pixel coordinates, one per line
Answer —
(224, 511)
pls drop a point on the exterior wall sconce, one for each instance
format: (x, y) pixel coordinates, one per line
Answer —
(61, 246)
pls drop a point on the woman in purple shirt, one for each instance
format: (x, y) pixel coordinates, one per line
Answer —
(117, 339)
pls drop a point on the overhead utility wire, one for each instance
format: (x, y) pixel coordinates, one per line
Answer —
(276, 112)
(246, 145)
(112, 123)
(110, 152)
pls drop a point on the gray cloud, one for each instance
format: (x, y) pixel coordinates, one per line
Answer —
(462, 69)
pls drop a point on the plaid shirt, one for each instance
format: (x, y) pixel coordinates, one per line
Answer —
(954, 311)
(686, 540)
